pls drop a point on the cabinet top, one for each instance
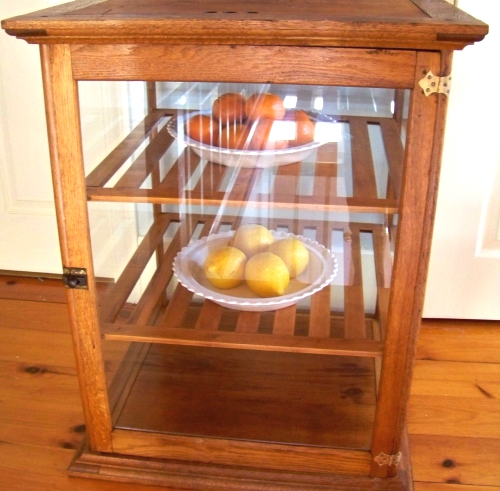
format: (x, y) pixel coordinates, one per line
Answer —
(409, 24)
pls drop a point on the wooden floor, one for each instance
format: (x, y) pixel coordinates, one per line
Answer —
(454, 415)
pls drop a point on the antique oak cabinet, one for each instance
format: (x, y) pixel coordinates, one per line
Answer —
(200, 387)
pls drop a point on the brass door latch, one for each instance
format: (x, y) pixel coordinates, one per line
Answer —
(75, 278)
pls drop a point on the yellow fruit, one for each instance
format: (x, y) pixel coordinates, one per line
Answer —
(267, 275)
(294, 254)
(252, 239)
(225, 267)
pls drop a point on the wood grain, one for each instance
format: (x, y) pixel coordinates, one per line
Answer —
(125, 149)
(124, 285)
(456, 460)
(457, 379)
(394, 151)
(396, 24)
(454, 416)
(279, 201)
(324, 66)
(284, 320)
(362, 163)
(21, 345)
(240, 453)
(34, 315)
(254, 396)
(354, 308)
(408, 281)
(222, 339)
(61, 102)
(464, 342)
(17, 287)
(39, 444)
(48, 470)
(432, 486)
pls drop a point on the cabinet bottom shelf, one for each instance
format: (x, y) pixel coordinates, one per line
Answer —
(246, 395)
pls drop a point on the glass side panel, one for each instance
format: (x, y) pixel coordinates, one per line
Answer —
(252, 252)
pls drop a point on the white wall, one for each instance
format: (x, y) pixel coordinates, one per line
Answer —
(464, 275)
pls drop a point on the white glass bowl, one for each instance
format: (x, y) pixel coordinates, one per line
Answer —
(243, 158)
(188, 268)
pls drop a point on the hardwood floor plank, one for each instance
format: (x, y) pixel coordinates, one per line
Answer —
(41, 316)
(474, 341)
(442, 415)
(436, 486)
(40, 406)
(458, 460)
(32, 468)
(456, 379)
(32, 288)
(37, 347)
(453, 417)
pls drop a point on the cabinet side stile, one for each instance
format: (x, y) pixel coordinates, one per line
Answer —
(63, 122)
(417, 208)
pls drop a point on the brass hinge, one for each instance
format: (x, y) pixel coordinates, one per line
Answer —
(432, 84)
(384, 459)
(75, 278)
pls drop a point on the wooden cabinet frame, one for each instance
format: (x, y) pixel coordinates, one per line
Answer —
(176, 460)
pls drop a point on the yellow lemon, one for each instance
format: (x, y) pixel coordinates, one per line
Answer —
(267, 275)
(294, 254)
(252, 239)
(225, 267)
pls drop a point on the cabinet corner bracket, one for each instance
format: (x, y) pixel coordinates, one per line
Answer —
(75, 278)
(432, 84)
(383, 459)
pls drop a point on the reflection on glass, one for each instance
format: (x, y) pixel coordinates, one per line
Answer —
(339, 187)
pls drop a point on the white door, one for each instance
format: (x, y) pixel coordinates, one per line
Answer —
(28, 230)
(464, 274)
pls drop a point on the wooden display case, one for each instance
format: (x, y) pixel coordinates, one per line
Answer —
(311, 396)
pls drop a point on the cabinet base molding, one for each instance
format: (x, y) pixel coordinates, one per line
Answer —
(208, 477)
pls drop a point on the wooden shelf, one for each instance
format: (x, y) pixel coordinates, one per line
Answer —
(316, 327)
(252, 396)
(146, 180)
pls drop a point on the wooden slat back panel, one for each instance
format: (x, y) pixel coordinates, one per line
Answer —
(210, 316)
(135, 267)
(364, 183)
(395, 153)
(142, 167)
(210, 180)
(284, 320)
(383, 271)
(176, 310)
(117, 157)
(145, 308)
(177, 176)
(319, 322)
(248, 322)
(285, 184)
(354, 309)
